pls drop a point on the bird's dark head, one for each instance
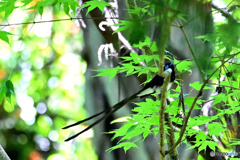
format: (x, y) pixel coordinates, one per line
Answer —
(169, 67)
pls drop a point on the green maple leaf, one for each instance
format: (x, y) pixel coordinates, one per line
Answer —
(4, 36)
(96, 4)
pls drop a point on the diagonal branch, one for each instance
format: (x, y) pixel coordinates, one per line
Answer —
(224, 13)
(191, 50)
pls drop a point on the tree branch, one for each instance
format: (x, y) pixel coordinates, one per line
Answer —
(191, 50)
(224, 13)
(3, 154)
(161, 117)
(171, 138)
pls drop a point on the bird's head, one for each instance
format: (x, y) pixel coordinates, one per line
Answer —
(169, 68)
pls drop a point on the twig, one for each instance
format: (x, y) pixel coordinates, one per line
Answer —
(191, 50)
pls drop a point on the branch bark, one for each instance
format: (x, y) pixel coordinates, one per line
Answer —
(171, 138)
(161, 117)
(3, 154)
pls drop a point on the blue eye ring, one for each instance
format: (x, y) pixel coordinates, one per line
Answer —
(167, 66)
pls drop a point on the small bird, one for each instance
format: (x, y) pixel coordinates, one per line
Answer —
(154, 86)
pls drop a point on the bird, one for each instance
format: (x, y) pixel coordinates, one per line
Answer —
(154, 86)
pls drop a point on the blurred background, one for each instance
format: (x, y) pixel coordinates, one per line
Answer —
(47, 71)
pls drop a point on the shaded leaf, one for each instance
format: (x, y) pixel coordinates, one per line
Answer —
(2, 92)
(9, 87)
(9, 90)
(123, 25)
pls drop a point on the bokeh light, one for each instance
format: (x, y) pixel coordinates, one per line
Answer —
(47, 71)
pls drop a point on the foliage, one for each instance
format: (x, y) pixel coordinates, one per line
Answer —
(4, 36)
(225, 48)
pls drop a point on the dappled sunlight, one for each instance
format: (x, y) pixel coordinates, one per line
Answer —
(28, 112)
(41, 108)
(53, 135)
(42, 142)
(48, 76)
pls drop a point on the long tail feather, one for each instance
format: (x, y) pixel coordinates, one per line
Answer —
(112, 110)
(93, 116)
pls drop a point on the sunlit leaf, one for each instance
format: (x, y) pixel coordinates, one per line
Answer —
(196, 85)
(96, 4)
(107, 72)
(215, 129)
(219, 98)
(66, 8)
(184, 66)
(7, 6)
(4, 36)
(40, 10)
(125, 145)
(26, 2)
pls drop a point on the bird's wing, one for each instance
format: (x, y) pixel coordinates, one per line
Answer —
(151, 86)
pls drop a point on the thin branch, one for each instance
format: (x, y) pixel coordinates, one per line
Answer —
(224, 13)
(57, 20)
(224, 86)
(191, 50)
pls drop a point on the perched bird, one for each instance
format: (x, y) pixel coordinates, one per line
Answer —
(154, 86)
